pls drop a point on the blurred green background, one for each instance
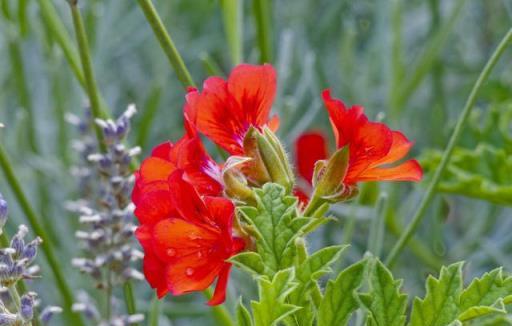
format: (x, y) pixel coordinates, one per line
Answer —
(410, 63)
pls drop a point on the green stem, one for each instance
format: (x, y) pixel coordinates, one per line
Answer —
(422, 207)
(46, 246)
(154, 312)
(90, 80)
(232, 14)
(129, 298)
(376, 236)
(220, 313)
(166, 42)
(262, 16)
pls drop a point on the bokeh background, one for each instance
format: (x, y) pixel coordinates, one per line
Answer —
(410, 63)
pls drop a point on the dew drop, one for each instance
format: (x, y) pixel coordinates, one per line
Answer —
(189, 271)
(199, 254)
(194, 236)
(171, 252)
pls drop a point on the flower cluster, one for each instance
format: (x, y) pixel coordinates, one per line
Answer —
(185, 201)
(106, 210)
(15, 266)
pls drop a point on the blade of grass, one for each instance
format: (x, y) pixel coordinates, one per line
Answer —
(154, 312)
(220, 313)
(232, 14)
(427, 198)
(46, 246)
(425, 62)
(166, 42)
(262, 16)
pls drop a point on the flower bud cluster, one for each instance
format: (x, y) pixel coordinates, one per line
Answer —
(88, 308)
(106, 213)
(15, 265)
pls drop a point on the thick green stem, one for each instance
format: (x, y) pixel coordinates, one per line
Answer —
(90, 80)
(166, 42)
(422, 207)
(46, 246)
(129, 298)
(262, 15)
(232, 14)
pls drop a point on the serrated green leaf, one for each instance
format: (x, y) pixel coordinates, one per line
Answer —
(385, 304)
(339, 300)
(482, 295)
(272, 306)
(440, 306)
(243, 316)
(275, 225)
(307, 273)
(249, 261)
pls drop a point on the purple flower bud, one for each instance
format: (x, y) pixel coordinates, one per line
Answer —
(27, 306)
(7, 319)
(30, 250)
(48, 313)
(3, 211)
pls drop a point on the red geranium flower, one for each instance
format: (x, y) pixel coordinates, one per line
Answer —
(225, 110)
(188, 155)
(186, 239)
(373, 147)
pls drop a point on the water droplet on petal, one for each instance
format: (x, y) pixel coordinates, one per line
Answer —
(199, 254)
(189, 271)
(171, 252)
(194, 236)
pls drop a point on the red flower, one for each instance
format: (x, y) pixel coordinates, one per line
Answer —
(188, 155)
(372, 145)
(372, 148)
(225, 110)
(186, 239)
(310, 147)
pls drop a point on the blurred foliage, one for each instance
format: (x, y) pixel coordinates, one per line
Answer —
(410, 63)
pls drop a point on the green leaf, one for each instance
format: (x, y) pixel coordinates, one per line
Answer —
(243, 316)
(249, 261)
(308, 272)
(481, 296)
(385, 304)
(440, 306)
(272, 306)
(275, 224)
(339, 300)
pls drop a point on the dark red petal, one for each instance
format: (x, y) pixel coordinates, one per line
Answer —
(221, 211)
(310, 147)
(399, 148)
(219, 296)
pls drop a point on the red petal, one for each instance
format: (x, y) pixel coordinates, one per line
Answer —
(154, 271)
(309, 148)
(154, 206)
(219, 296)
(154, 168)
(224, 111)
(144, 234)
(253, 88)
(186, 200)
(399, 148)
(176, 239)
(162, 151)
(407, 171)
(221, 211)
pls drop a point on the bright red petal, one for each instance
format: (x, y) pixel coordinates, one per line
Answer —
(399, 148)
(253, 88)
(309, 148)
(154, 271)
(221, 211)
(155, 168)
(407, 171)
(154, 206)
(219, 296)
(162, 151)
